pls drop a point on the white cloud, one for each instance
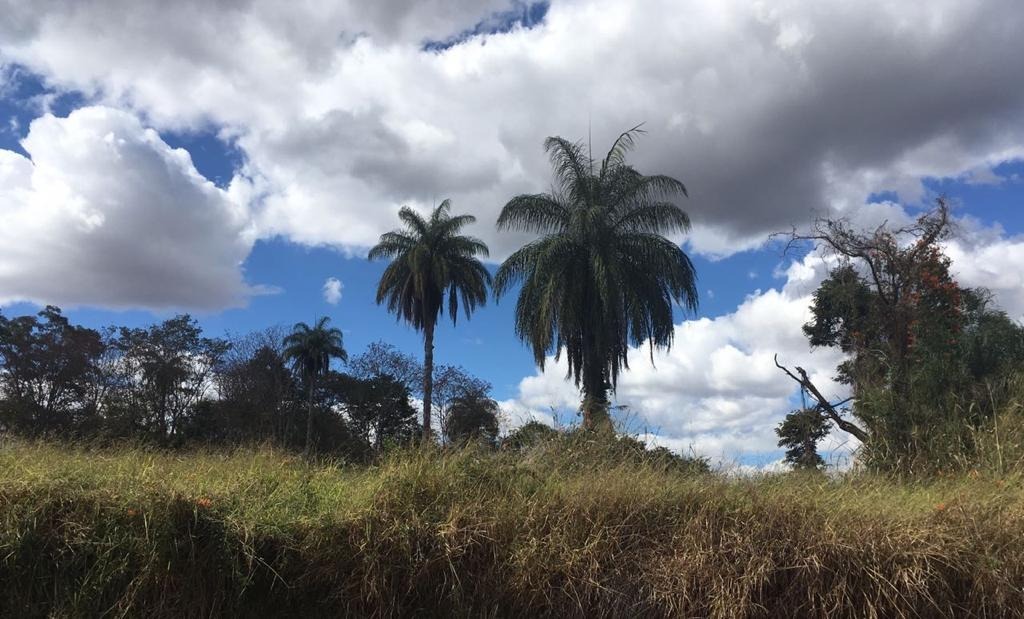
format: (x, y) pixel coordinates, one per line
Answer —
(994, 265)
(332, 290)
(106, 213)
(515, 415)
(768, 112)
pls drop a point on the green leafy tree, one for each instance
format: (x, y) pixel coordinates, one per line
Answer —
(310, 349)
(49, 373)
(800, 433)
(528, 435)
(602, 276)
(377, 408)
(925, 357)
(992, 343)
(430, 260)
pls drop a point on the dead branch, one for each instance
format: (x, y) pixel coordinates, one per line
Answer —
(823, 404)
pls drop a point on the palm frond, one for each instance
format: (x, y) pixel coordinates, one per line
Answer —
(655, 217)
(572, 168)
(447, 226)
(417, 225)
(533, 213)
(441, 211)
(623, 144)
(391, 244)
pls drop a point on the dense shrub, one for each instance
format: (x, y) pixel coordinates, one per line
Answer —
(485, 533)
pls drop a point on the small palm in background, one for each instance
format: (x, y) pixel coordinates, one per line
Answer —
(311, 349)
(473, 417)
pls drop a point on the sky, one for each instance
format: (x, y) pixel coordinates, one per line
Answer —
(235, 159)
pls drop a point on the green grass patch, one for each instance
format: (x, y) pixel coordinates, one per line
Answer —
(258, 532)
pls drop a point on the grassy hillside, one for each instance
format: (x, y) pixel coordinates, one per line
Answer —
(257, 532)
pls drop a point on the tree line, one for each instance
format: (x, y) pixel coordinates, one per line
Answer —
(929, 363)
(170, 385)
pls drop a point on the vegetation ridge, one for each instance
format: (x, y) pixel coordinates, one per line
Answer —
(471, 532)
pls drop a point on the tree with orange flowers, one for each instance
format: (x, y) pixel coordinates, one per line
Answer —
(906, 327)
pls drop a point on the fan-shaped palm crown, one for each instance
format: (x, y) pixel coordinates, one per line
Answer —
(602, 276)
(431, 259)
(310, 349)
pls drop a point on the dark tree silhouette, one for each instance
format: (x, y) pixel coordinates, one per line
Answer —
(450, 382)
(310, 350)
(377, 409)
(602, 276)
(256, 388)
(800, 433)
(473, 417)
(383, 359)
(163, 372)
(431, 260)
(49, 373)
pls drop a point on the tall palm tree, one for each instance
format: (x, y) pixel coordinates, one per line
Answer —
(310, 349)
(602, 276)
(430, 259)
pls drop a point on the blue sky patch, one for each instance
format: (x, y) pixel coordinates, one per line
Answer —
(521, 15)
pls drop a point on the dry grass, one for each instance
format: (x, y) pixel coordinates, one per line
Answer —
(258, 532)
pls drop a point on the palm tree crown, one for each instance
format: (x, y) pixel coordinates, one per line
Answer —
(602, 276)
(310, 349)
(430, 259)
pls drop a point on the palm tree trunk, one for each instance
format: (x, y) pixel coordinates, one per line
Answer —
(309, 420)
(595, 413)
(428, 378)
(595, 402)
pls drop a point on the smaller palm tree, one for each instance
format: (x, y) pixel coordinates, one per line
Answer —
(430, 259)
(473, 416)
(310, 349)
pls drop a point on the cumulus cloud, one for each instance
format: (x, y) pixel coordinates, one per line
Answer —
(514, 414)
(769, 112)
(994, 265)
(332, 290)
(106, 213)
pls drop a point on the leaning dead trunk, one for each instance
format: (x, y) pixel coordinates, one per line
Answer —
(824, 405)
